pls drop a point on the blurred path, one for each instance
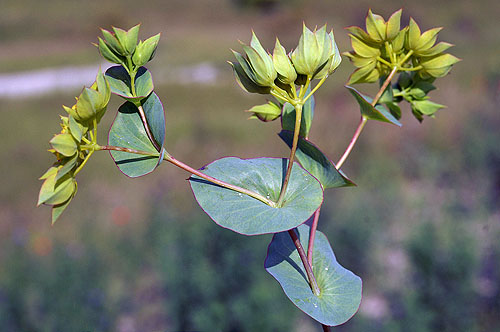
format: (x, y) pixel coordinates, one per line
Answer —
(45, 81)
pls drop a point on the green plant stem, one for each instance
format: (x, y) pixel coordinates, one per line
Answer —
(320, 83)
(312, 237)
(363, 120)
(87, 157)
(298, 117)
(312, 280)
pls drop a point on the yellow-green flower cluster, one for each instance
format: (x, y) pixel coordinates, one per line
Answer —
(315, 57)
(121, 47)
(73, 146)
(385, 46)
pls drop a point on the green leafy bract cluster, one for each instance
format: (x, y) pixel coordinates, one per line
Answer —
(77, 141)
(122, 47)
(280, 74)
(385, 46)
(73, 146)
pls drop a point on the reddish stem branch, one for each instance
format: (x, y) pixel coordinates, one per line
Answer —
(354, 138)
(303, 257)
(312, 237)
(191, 170)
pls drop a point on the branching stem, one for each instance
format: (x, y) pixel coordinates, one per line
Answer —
(298, 117)
(312, 280)
(363, 120)
(191, 170)
(312, 237)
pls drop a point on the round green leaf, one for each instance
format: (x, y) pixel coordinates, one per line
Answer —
(120, 84)
(246, 215)
(155, 117)
(128, 131)
(340, 295)
(316, 163)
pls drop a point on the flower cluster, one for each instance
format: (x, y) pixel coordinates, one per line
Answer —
(122, 47)
(385, 46)
(277, 74)
(73, 146)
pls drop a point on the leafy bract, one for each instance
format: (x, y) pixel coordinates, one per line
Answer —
(379, 112)
(340, 289)
(120, 83)
(316, 163)
(128, 131)
(246, 215)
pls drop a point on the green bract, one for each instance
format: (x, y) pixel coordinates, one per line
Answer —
(314, 51)
(145, 51)
(92, 102)
(283, 65)
(267, 112)
(258, 64)
(385, 46)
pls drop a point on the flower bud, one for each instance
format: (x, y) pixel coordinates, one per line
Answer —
(243, 80)
(267, 112)
(145, 51)
(108, 54)
(112, 42)
(128, 39)
(332, 63)
(92, 102)
(56, 191)
(65, 144)
(437, 66)
(314, 50)
(261, 68)
(283, 65)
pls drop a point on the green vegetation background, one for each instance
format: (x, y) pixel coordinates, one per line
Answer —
(421, 228)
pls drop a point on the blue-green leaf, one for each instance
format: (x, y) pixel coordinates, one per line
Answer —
(128, 131)
(379, 112)
(247, 215)
(316, 163)
(155, 117)
(340, 289)
(120, 83)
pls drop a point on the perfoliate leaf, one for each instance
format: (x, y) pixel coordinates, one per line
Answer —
(120, 83)
(340, 289)
(128, 131)
(247, 215)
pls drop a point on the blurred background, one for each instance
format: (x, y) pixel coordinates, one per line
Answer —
(422, 228)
